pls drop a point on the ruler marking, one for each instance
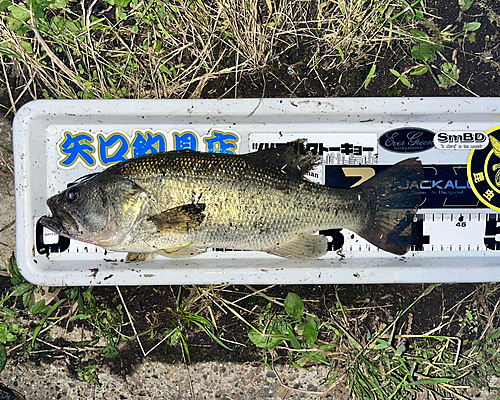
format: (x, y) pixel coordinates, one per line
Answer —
(430, 232)
(450, 232)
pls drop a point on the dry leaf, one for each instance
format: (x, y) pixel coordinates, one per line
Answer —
(47, 296)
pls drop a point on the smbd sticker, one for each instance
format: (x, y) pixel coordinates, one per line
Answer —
(483, 171)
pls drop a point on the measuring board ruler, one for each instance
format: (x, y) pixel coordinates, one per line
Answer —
(433, 232)
(454, 237)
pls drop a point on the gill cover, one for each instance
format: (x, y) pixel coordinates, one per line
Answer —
(100, 210)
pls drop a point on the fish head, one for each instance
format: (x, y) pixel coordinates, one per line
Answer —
(101, 210)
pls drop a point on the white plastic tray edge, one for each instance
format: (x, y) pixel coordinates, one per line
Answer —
(466, 269)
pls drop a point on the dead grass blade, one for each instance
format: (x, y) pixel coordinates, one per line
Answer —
(131, 320)
(158, 49)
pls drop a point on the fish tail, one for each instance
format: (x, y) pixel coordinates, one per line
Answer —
(393, 198)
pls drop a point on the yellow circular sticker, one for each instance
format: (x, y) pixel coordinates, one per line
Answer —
(483, 171)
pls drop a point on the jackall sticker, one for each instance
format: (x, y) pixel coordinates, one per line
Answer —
(443, 186)
(335, 149)
(483, 171)
(94, 149)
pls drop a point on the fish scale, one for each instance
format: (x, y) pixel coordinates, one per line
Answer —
(259, 201)
(243, 207)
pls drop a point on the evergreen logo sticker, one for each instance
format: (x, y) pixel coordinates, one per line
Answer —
(483, 171)
(407, 140)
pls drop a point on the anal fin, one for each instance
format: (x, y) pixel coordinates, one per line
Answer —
(302, 247)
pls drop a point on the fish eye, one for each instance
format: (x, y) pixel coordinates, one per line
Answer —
(72, 195)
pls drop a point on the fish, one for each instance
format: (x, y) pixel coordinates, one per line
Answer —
(179, 203)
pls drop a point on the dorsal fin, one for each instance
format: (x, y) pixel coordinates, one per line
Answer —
(292, 158)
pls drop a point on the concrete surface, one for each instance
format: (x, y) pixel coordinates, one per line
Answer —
(7, 200)
(155, 381)
(210, 381)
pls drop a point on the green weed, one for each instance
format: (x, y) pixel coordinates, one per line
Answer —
(43, 304)
(298, 330)
(401, 78)
(383, 365)
(104, 324)
(184, 318)
(429, 42)
(89, 374)
(105, 321)
(449, 76)
(371, 74)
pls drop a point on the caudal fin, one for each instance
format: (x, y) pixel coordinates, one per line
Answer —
(394, 197)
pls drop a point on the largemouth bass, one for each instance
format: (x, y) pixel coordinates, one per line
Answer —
(179, 203)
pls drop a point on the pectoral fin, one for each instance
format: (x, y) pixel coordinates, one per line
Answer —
(180, 219)
(302, 247)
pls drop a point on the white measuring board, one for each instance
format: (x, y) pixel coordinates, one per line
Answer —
(455, 236)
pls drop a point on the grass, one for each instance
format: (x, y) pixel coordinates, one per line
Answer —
(372, 353)
(158, 49)
(383, 364)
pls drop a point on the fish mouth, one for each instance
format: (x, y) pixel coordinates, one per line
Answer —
(61, 222)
